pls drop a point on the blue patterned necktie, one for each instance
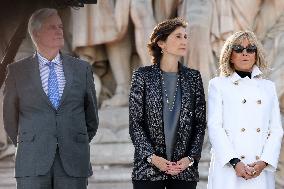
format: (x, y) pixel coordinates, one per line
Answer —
(53, 91)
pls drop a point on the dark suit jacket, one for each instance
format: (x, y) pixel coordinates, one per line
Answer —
(146, 122)
(36, 128)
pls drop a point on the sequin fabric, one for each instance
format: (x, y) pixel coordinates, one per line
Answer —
(146, 122)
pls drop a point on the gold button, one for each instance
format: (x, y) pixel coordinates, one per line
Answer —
(257, 157)
(258, 130)
(243, 129)
(242, 157)
(244, 101)
(236, 83)
(258, 101)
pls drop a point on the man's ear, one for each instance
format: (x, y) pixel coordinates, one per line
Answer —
(35, 34)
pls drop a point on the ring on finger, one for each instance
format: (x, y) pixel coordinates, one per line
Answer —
(254, 172)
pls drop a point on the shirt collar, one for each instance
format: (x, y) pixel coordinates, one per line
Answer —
(43, 61)
(255, 73)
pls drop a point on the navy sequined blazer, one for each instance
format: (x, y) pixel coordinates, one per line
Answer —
(146, 122)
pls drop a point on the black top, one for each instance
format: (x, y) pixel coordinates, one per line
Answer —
(243, 74)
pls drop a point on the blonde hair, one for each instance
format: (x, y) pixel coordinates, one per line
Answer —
(226, 67)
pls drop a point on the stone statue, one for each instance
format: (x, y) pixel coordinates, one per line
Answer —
(264, 17)
(200, 56)
(269, 26)
(145, 15)
(108, 27)
(106, 23)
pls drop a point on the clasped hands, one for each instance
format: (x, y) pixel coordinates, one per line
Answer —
(171, 168)
(249, 171)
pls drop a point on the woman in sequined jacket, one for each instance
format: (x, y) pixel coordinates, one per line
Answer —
(167, 116)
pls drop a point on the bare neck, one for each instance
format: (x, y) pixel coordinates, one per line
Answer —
(169, 64)
(49, 54)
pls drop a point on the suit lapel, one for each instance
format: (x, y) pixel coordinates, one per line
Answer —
(68, 74)
(157, 100)
(35, 75)
(185, 84)
(186, 109)
(158, 86)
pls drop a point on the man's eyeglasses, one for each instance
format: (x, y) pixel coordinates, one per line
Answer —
(239, 49)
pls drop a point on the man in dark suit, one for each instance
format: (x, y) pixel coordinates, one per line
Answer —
(50, 111)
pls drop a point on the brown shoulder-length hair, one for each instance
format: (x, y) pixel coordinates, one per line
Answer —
(161, 33)
(226, 67)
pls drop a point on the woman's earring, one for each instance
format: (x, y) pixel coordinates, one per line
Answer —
(162, 51)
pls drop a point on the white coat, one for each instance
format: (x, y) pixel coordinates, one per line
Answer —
(243, 122)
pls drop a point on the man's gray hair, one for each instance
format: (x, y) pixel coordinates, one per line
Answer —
(37, 18)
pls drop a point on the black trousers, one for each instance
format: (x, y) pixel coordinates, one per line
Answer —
(162, 184)
(56, 178)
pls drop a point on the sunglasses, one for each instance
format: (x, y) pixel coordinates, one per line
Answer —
(239, 49)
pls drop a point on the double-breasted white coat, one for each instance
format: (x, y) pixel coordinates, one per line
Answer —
(243, 122)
